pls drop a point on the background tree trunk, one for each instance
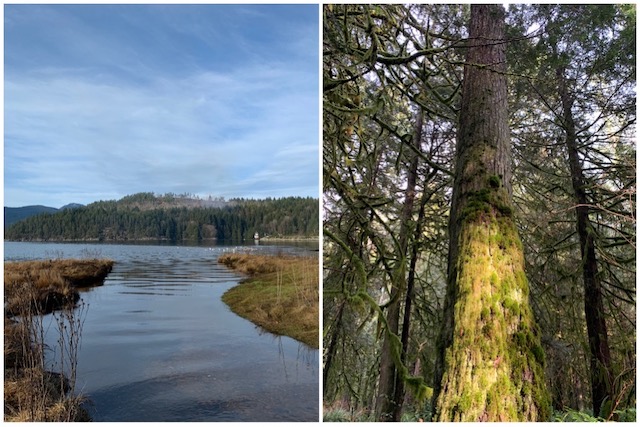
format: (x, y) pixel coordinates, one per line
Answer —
(330, 350)
(490, 363)
(389, 400)
(600, 360)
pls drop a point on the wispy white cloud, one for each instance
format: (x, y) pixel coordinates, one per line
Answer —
(83, 132)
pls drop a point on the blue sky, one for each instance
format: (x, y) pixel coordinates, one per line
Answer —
(102, 101)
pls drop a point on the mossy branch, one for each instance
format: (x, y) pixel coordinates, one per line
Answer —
(417, 385)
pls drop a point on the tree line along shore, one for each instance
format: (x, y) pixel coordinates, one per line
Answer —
(146, 217)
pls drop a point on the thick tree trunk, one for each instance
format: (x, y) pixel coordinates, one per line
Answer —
(490, 363)
(389, 400)
(593, 306)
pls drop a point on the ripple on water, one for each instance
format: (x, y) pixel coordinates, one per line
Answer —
(158, 344)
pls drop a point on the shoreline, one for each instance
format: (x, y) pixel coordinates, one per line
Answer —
(153, 239)
(280, 294)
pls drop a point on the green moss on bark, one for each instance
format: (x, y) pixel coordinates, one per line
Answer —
(487, 201)
(494, 369)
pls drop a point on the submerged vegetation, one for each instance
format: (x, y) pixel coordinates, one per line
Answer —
(32, 289)
(280, 295)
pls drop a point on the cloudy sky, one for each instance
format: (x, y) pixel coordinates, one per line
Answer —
(102, 101)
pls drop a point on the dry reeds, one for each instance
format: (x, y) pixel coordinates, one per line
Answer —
(76, 272)
(31, 391)
(32, 289)
(254, 264)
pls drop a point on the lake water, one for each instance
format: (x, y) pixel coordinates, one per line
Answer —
(158, 344)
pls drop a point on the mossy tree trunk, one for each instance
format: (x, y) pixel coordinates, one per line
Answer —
(490, 365)
(600, 354)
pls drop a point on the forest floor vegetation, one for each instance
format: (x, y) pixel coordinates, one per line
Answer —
(280, 295)
(32, 289)
(340, 413)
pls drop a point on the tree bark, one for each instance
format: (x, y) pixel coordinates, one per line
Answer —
(600, 355)
(389, 400)
(408, 299)
(331, 348)
(490, 364)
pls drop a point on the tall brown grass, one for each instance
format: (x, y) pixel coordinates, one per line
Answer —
(43, 273)
(49, 285)
(281, 294)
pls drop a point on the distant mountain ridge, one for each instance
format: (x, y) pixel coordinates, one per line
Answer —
(13, 215)
(151, 201)
(143, 201)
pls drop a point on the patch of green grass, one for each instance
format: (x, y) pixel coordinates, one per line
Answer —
(280, 295)
(337, 415)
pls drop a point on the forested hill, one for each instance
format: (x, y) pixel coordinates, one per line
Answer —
(13, 215)
(145, 216)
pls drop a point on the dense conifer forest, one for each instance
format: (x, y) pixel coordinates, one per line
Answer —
(479, 180)
(145, 216)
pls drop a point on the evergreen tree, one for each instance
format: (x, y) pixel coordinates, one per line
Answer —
(490, 362)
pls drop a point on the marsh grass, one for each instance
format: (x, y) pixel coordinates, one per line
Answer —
(33, 289)
(280, 295)
(48, 285)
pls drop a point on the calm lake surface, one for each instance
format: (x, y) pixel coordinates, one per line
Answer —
(158, 344)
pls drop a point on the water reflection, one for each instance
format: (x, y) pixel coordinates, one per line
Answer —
(215, 393)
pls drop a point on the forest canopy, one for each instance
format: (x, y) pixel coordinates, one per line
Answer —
(417, 197)
(170, 217)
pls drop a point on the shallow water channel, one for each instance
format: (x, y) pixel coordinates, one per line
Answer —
(158, 344)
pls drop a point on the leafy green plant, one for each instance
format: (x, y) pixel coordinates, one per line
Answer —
(626, 415)
(418, 416)
(571, 415)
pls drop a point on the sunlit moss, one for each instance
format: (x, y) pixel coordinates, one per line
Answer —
(495, 365)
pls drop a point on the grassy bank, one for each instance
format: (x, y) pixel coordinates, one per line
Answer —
(32, 289)
(45, 286)
(280, 294)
